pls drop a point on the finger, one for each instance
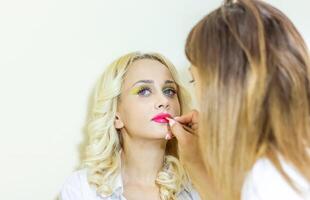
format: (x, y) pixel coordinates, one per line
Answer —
(191, 117)
(189, 129)
(168, 136)
(178, 130)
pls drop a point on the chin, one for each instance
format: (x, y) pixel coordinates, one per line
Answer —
(158, 130)
(156, 134)
(161, 128)
(160, 135)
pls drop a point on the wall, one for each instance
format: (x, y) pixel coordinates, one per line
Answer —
(51, 54)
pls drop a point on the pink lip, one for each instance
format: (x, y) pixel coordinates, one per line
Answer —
(161, 118)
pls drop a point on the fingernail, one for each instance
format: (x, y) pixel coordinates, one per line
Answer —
(176, 118)
(168, 137)
(171, 122)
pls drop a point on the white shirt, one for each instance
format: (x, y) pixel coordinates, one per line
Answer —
(76, 187)
(264, 182)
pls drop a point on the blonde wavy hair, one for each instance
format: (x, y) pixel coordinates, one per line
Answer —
(102, 156)
(254, 69)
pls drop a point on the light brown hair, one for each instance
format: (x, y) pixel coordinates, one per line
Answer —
(254, 71)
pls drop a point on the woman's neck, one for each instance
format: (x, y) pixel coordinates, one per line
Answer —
(141, 160)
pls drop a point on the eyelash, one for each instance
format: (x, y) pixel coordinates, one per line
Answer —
(170, 89)
(142, 89)
(192, 81)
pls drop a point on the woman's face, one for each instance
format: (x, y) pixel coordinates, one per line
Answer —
(148, 95)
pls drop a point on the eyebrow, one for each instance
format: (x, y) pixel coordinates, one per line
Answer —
(151, 81)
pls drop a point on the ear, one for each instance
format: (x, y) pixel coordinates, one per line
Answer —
(118, 123)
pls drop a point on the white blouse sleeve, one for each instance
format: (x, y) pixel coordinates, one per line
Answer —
(75, 187)
(264, 182)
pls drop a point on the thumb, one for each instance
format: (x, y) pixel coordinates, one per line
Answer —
(177, 130)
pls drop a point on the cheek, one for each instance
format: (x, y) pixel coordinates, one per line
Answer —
(137, 119)
(135, 112)
(197, 92)
(198, 87)
(176, 107)
(132, 121)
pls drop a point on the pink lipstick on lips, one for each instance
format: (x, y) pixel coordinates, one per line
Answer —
(161, 118)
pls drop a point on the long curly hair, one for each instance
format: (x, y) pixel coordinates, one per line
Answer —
(102, 154)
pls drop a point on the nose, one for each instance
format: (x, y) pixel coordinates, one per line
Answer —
(162, 102)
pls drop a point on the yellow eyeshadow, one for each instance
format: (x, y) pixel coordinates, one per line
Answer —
(135, 90)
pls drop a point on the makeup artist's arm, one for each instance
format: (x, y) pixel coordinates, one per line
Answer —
(189, 151)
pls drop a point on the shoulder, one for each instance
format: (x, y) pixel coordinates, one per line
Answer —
(76, 187)
(265, 182)
(188, 193)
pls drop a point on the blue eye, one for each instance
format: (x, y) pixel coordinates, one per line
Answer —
(144, 91)
(170, 92)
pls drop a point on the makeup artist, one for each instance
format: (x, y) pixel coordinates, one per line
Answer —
(250, 138)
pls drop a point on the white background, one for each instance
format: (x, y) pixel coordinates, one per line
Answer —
(51, 54)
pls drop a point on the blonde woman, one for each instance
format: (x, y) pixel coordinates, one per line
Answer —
(251, 70)
(130, 154)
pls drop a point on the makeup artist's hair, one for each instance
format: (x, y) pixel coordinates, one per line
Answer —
(102, 157)
(254, 71)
